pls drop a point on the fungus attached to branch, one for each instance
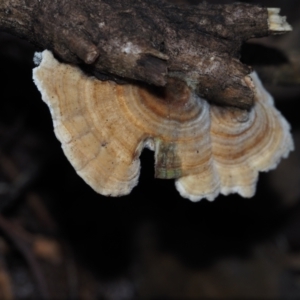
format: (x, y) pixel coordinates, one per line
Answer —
(150, 40)
(207, 149)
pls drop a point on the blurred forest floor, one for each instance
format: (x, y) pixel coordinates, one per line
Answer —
(60, 240)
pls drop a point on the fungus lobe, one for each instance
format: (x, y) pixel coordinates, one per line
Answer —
(208, 149)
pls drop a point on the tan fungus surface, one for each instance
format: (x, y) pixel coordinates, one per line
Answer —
(103, 127)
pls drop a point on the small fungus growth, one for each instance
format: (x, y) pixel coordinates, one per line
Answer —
(208, 149)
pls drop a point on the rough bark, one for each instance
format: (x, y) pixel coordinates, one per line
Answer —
(147, 40)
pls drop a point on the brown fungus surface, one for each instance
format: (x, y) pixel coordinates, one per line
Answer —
(208, 149)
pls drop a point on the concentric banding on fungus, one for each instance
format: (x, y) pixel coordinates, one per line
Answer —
(103, 127)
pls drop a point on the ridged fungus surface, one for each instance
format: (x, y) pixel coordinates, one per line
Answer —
(208, 149)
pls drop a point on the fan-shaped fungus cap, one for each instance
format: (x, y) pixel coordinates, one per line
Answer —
(103, 127)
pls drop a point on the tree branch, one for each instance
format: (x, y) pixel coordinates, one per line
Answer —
(149, 40)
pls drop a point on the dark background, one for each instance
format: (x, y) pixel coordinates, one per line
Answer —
(59, 238)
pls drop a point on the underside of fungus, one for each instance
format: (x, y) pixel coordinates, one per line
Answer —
(208, 149)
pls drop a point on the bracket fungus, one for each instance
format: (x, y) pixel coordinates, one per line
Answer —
(208, 149)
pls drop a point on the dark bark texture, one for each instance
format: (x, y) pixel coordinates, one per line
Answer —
(147, 40)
